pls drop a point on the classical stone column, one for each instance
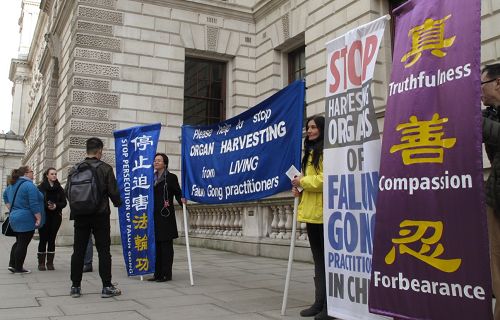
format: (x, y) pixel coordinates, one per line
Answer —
(274, 223)
(281, 223)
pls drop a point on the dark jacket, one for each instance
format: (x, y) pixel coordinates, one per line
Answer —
(491, 139)
(107, 185)
(166, 187)
(53, 193)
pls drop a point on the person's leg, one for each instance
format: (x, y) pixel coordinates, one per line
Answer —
(43, 233)
(315, 236)
(316, 240)
(89, 255)
(165, 258)
(42, 245)
(318, 248)
(162, 260)
(169, 259)
(12, 260)
(81, 238)
(23, 240)
(157, 273)
(101, 230)
(494, 238)
(54, 225)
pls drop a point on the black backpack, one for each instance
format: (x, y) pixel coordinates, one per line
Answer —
(83, 192)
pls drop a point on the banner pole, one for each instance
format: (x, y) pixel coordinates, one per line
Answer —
(290, 255)
(186, 234)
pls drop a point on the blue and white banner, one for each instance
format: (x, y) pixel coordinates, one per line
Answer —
(135, 150)
(245, 158)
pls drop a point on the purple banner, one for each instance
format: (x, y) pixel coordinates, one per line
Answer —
(430, 257)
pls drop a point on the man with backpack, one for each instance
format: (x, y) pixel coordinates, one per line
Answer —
(90, 183)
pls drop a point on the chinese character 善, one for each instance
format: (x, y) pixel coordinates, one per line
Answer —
(422, 141)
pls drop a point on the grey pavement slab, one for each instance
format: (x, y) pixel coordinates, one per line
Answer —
(256, 305)
(226, 286)
(100, 307)
(201, 311)
(120, 315)
(161, 303)
(30, 312)
(18, 302)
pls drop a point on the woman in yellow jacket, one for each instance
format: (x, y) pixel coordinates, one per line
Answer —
(310, 209)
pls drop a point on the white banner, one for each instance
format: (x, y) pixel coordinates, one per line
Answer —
(351, 169)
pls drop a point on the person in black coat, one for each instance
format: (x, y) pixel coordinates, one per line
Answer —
(55, 201)
(166, 187)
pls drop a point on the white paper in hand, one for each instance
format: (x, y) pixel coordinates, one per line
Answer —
(291, 173)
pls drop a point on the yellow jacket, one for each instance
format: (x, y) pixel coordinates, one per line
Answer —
(311, 200)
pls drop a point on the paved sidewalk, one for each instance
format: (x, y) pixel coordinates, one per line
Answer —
(226, 286)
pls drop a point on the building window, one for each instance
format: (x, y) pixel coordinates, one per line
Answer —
(204, 92)
(297, 64)
(393, 4)
(297, 70)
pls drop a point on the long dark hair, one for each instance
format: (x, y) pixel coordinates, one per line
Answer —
(46, 173)
(314, 146)
(17, 173)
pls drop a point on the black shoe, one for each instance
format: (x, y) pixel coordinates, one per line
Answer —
(323, 315)
(108, 292)
(311, 311)
(76, 292)
(87, 268)
(22, 271)
(11, 269)
(153, 279)
(164, 279)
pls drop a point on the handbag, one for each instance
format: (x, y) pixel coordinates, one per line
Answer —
(6, 228)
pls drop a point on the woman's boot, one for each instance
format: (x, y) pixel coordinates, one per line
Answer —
(50, 260)
(41, 261)
(323, 315)
(318, 301)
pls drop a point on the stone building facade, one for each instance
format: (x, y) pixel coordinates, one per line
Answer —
(11, 143)
(11, 155)
(100, 65)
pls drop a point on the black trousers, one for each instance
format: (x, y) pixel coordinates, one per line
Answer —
(316, 241)
(19, 249)
(98, 225)
(164, 259)
(89, 253)
(48, 232)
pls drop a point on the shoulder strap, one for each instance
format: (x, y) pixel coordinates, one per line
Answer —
(81, 163)
(96, 164)
(93, 166)
(15, 194)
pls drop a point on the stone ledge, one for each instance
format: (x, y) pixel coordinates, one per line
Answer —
(271, 248)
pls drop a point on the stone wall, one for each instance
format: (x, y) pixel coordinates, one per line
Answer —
(490, 33)
(11, 154)
(101, 65)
